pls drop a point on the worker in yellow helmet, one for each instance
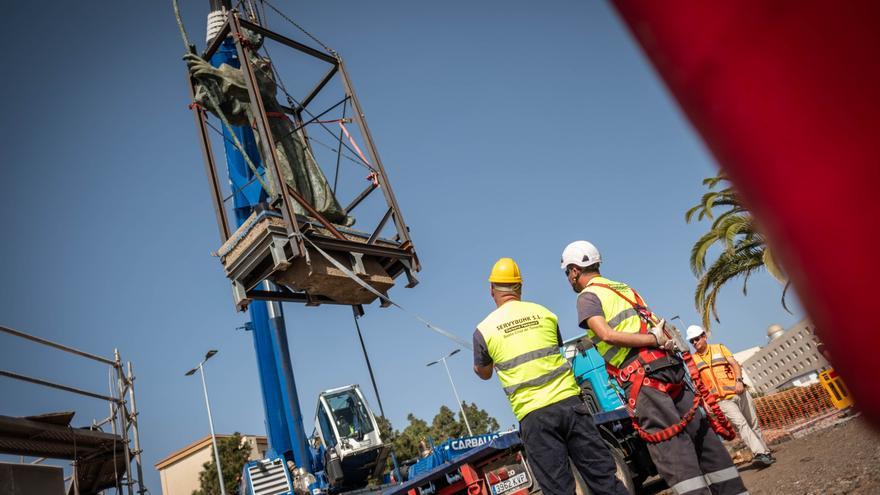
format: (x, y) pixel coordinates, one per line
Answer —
(638, 352)
(521, 340)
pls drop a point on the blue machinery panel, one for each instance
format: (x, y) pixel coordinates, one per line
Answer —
(588, 365)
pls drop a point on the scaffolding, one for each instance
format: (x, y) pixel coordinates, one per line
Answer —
(95, 455)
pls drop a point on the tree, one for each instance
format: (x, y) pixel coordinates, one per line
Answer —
(234, 453)
(406, 443)
(743, 247)
(445, 425)
(386, 431)
(479, 419)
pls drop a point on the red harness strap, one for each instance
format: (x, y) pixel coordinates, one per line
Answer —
(719, 422)
(635, 374)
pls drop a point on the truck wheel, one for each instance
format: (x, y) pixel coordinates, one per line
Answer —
(623, 474)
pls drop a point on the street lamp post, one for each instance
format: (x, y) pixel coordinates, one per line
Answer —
(454, 391)
(200, 368)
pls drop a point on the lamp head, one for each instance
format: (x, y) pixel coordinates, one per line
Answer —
(210, 353)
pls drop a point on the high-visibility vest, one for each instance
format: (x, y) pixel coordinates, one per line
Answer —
(716, 371)
(521, 339)
(620, 315)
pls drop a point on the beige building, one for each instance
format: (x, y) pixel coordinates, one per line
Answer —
(179, 472)
(789, 359)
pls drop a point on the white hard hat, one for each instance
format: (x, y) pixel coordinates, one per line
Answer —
(694, 331)
(580, 253)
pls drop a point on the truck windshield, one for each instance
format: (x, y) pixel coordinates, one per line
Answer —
(351, 416)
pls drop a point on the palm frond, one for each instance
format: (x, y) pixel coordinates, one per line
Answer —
(743, 247)
(784, 292)
(699, 251)
(774, 269)
(728, 266)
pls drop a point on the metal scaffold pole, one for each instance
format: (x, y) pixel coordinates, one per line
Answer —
(120, 409)
(133, 419)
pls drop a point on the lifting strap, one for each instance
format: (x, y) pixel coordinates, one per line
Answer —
(636, 372)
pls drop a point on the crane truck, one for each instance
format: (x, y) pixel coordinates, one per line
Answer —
(290, 241)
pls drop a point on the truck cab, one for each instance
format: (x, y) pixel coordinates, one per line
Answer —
(347, 438)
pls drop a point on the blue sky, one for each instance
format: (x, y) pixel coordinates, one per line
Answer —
(507, 129)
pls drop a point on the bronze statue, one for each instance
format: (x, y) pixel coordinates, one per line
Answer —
(294, 157)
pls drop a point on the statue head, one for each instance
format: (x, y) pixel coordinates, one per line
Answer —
(252, 38)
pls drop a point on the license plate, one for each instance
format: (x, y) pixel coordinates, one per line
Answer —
(509, 484)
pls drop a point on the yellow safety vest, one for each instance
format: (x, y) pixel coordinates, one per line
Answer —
(521, 339)
(716, 371)
(619, 314)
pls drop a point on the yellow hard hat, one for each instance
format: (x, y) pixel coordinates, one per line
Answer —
(505, 271)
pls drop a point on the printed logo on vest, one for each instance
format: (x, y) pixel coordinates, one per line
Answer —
(520, 324)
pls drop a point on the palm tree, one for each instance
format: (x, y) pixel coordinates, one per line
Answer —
(744, 248)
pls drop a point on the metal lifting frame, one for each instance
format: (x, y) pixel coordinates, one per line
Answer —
(118, 404)
(400, 259)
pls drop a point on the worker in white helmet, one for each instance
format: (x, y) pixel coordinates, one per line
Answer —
(723, 376)
(639, 354)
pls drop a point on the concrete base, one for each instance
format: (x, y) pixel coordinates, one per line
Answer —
(261, 250)
(319, 276)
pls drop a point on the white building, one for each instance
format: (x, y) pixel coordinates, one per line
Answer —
(789, 359)
(741, 357)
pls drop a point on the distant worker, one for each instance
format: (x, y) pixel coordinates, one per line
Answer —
(692, 460)
(521, 340)
(723, 375)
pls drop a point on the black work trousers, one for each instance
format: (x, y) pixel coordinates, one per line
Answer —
(694, 461)
(564, 430)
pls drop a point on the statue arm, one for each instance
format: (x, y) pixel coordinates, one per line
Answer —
(226, 85)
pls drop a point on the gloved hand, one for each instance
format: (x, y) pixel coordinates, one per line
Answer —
(663, 341)
(199, 67)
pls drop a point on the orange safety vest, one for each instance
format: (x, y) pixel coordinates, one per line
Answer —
(716, 371)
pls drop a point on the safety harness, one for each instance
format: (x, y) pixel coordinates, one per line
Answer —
(636, 371)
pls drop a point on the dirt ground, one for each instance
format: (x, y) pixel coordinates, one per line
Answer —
(839, 459)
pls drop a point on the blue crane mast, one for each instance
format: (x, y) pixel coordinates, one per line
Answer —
(284, 423)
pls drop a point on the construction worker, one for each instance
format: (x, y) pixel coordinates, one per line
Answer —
(690, 457)
(521, 340)
(723, 375)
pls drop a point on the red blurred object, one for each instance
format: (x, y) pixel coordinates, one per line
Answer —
(786, 94)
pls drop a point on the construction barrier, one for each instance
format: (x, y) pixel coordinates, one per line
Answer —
(783, 410)
(837, 391)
